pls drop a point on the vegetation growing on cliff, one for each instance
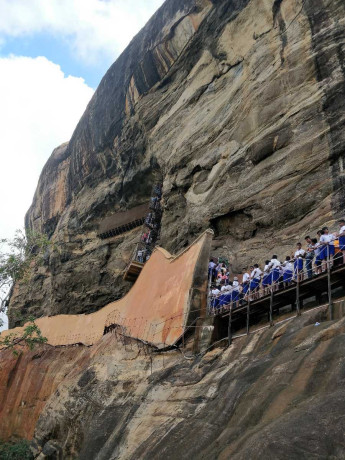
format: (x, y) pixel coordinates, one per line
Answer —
(15, 451)
(17, 255)
(31, 337)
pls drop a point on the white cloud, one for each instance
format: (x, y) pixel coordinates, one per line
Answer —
(93, 28)
(40, 108)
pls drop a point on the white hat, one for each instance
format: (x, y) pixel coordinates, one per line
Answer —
(235, 279)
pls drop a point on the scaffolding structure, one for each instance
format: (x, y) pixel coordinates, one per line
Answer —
(149, 236)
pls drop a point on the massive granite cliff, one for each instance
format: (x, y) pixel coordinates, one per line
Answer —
(276, 394)
(236, 105)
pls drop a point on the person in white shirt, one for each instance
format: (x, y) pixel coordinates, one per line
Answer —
(317, 248)
(298, 265)
(341, 236)
(255, 278)
(235, 295)
(274, 266)
(211, 270)
(287, 272)
(327, 248)
(245, 281)
(309, 256)
(281, 272)
(266, 280)
(215, 299)
(225, 296)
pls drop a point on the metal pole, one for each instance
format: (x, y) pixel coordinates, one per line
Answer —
(209, 296)
(229, 326)
(271, 308)
(329, 287)
(297, 292)
(183, 340)
(248, 312)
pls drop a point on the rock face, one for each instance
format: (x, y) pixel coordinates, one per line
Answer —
(278, 393)
(238, 106)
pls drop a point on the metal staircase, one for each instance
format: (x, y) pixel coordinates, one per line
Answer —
(149, 236)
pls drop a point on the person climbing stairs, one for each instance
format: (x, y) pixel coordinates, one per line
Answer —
(149, 236)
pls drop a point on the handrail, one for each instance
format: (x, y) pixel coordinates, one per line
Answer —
(297, 275)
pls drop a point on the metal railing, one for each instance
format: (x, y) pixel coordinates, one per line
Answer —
(238, 299)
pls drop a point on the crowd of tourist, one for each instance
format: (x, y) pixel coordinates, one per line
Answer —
(326, 250)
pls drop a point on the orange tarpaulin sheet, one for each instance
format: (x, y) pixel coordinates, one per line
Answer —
(156, 309)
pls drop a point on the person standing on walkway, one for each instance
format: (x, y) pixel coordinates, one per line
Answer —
(215, 299)
(140, 256)
(287, 272)
(266, 280)
(235, 295)
(342, 238)
(211, 270)
(327, 248)
(309, 257)
(274, 266)
(245, 281)
(255, 278)
(317, 249)
(298, 265)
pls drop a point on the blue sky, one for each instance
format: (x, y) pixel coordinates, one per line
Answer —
(58, 51)
(53, 54)
(83, 36)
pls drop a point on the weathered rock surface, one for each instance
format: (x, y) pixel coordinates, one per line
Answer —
(277, 394)
(237, 105)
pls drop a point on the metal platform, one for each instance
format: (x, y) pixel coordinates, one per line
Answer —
(321, 288)
(133, 271)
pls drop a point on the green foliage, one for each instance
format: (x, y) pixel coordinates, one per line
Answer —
(15, 451)
(31, 337)
(21, 251)
(17, 255)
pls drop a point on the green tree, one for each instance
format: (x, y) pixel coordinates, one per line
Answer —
(31, 337)
(15, 451)
(17, 256)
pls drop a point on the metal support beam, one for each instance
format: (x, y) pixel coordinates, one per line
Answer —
(230, 326)
(298, 309)
(271, 308)
(248, 314)
(329, 286)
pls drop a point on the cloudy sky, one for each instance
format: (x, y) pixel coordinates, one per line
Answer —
(53, 54)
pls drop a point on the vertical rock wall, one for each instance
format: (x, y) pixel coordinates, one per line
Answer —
(237, 106)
